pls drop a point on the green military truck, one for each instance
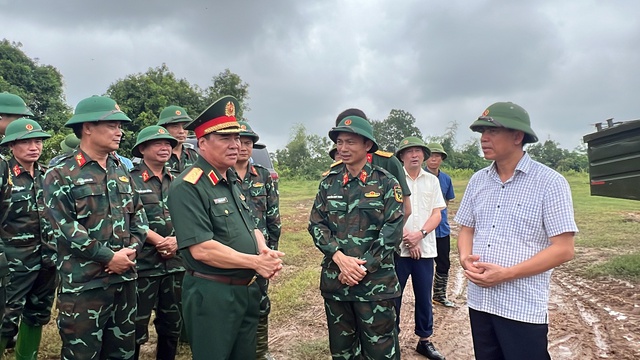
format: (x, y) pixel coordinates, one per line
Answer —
(614, 159)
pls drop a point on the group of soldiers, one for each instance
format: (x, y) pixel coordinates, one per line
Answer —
(104, 234)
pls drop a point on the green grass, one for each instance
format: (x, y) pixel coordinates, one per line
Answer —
(609, 231)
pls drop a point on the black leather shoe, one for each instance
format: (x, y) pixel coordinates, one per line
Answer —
(426, 348)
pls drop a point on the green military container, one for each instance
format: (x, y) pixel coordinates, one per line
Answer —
(614, 159)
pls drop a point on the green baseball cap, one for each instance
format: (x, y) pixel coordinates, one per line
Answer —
(150, 133)
(356, 125)
(219, 117)
(22, 129)
(70, 143)
(437, 148)
(248, 132)
(507, 115)
(412, 141)
(97, 108)
(172, 115)
(13, 104)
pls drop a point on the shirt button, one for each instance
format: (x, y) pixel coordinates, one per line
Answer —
(226, 212)
(503, 186)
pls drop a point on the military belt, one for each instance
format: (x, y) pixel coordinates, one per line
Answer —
(224, 279)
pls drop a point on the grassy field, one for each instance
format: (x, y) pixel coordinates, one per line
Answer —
(607, 245)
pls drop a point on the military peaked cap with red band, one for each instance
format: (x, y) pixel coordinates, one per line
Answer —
(219, 118)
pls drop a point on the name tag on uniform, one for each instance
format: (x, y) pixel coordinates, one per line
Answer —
(334, 197)
(144, 191)
(222, 200)
(17, 188)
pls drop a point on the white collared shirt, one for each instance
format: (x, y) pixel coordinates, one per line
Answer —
(425, 197)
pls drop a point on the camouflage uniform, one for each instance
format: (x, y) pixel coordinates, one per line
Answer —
(5, 194)
(159, 279)
(187, 158)
(262, 196)
(362, 217)
(30, 252)
(94, 213)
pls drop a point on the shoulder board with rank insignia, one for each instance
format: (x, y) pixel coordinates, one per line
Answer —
(384, 153)
(326, 173)
(336, 163)
(193, 175)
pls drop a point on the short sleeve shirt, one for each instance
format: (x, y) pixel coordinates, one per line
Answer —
(512, 222)
(446, 186)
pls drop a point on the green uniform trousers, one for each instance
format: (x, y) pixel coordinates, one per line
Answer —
(98, 323)
(30, 296)
(362, 329)
(165, 293)
(221, 320)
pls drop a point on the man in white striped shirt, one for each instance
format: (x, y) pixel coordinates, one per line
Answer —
(517, 225)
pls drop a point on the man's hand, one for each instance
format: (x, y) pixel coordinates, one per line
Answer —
(412, 239)
(121, 261)
(351, 268)
(415, 253)
(491, 274)
(469, 263)
(268, 263)
(168, 247)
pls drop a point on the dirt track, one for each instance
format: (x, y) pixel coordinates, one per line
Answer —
(588, 320)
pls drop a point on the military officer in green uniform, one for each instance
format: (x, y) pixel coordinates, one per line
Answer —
(384, 159)
(261, 194)
(27, 239)
(356, 222)
(160, 269)
(220, 245)
(12, 107)
(174, 119)
(99, 225)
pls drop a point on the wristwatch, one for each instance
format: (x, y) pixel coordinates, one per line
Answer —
(424, 233)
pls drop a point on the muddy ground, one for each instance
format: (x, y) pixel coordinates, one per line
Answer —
(589, 319)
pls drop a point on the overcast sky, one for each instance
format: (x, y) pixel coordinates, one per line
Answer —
(570, 63)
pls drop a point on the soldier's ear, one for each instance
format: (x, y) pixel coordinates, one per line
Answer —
(368, 144)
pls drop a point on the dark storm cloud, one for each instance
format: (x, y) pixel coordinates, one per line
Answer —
(569, 63)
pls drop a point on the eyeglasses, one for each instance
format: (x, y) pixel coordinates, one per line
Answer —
(491, 120)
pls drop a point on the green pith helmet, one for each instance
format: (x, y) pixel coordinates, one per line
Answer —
(412, 141)
(351, 112)
(248, 132)
(150, 133)
(507, 115)
(13, 104)
(172, 115)
(333, 152)
(219, 117)
(97, 108)
(437, 148)
(356, 125)
(70, 143)
(22, 129)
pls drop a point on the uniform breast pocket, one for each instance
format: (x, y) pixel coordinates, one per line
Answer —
(224, 225)
(125, 192)
(259, 198)
(337, 211)
(20, 203)
(372, 215)
(150, 199)
(90, 200)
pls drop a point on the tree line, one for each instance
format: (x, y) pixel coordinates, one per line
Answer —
(143, 95)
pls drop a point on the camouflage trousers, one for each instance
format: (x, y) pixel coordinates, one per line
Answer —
(98, 323)
(221, 320)
(262, 345)
(362, 329)
(165, 294)
(30, 295)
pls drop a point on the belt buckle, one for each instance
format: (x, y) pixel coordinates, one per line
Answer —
(253, 279)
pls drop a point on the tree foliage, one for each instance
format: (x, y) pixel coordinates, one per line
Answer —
(305, 156)
(228, 83)
(40, 86)
(142, 97)
(551, 154)
(390, 131)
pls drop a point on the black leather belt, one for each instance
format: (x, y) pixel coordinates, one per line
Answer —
(224, 279)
